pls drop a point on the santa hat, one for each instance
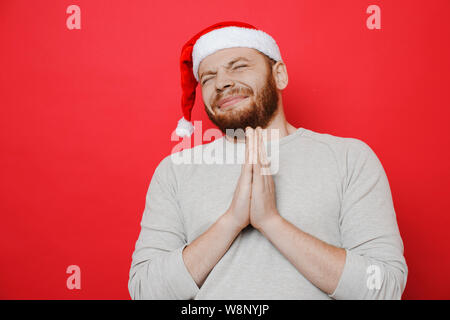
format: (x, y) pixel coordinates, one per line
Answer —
(222, 35)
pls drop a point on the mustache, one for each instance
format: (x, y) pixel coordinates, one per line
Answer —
(231, 92)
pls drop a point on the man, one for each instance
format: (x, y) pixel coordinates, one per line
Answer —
(322, 227)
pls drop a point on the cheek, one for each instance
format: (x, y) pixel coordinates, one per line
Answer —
(259, 87)
(206, 96)
(252, 84)
(207, 99)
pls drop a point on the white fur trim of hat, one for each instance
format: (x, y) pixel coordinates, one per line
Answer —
(231, 37)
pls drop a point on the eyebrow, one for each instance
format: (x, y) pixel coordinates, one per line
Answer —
(229, 64)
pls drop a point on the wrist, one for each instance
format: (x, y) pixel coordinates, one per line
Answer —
(229, 222)
(269, 221)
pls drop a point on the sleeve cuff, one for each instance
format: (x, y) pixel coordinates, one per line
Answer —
(180, 280)
(350, 279)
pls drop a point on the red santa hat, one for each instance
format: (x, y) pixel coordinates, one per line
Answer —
(222, 35)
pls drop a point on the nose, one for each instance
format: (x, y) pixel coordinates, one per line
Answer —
(223, 81)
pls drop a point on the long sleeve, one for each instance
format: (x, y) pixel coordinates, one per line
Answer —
(157, 269)
(375, 267)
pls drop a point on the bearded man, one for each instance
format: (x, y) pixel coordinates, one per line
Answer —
(322, 227)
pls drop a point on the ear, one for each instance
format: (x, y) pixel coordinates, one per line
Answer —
(280, 75)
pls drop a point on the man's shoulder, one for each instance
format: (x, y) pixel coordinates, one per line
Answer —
(338, 144)
(349, 153)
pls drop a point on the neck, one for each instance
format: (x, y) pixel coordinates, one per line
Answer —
(278, 123)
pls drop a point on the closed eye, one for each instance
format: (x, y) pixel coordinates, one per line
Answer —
(205, 80)
(243, 65)
(237, 67)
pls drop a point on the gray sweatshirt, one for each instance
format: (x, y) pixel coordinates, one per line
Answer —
(333, 188)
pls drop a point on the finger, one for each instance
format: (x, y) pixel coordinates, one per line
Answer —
(246, 145)
(246, 171)
(264, 161)
(262, 165)
(257, 178)
(250, 143)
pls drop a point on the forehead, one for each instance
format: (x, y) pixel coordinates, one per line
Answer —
(223, 56)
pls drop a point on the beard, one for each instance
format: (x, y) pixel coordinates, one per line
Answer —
(259, 110)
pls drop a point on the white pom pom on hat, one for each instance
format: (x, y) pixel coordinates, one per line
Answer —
(222, 35)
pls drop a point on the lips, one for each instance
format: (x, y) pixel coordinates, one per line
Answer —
(223, 103)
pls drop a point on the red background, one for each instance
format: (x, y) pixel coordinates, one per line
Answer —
(86, 115)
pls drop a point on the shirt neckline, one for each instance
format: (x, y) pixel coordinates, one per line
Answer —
(281, 141)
